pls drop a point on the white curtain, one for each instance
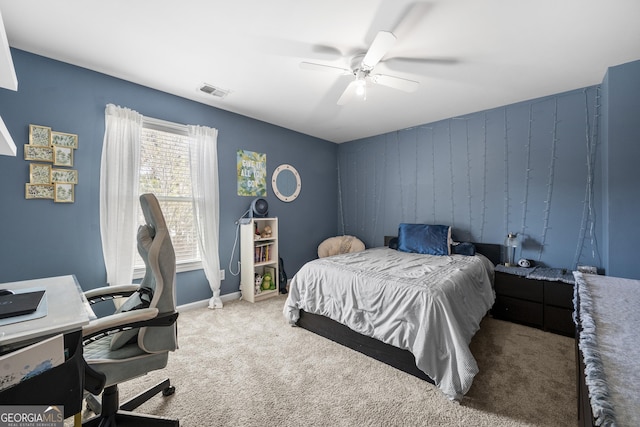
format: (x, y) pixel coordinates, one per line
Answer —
(119, 170)
(203, 151)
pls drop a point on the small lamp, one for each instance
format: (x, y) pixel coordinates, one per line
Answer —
(510, 245)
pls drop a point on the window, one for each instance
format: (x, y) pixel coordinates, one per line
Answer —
(165, 171)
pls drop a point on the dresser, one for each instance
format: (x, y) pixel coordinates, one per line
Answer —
(541, 298)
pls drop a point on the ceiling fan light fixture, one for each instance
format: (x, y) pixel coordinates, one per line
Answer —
(361, 88)
(361, 83)
(362, 68)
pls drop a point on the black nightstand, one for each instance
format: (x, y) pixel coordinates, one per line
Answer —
(527, 297)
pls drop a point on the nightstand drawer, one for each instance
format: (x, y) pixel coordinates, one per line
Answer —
(518, 310)
(558, 294)
(518, 287)
(559, 320)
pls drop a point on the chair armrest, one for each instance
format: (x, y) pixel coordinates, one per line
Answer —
(118, 321)
(144, 317)
(109, 292)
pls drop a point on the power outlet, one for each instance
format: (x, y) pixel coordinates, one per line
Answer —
(221, 274)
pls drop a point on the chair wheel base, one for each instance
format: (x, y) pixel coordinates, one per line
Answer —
(125, 419)
(113, 416)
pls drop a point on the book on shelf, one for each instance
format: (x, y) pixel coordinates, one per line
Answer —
(263, 253)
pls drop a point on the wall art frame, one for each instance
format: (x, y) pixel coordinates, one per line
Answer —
(62, 139)
(45, 180)
(39, 173)
(63, 176)
(63, 193)
(62, 156)
(38, 153)
(38, 191)
(251, 173)
(39, 135)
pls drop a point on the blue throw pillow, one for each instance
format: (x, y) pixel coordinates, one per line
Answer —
(424, 239)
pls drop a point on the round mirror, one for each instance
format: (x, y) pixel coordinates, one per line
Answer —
(286, 183)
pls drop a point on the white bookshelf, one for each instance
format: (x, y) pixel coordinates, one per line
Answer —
(258, 254)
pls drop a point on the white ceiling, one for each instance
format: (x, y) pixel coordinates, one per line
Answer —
(475, 54)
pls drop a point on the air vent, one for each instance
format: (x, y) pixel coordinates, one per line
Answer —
(213, 91)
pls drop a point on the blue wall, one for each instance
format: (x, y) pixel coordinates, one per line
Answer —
(520, 168)
(621, 146)
(562, 171)
(41, 238)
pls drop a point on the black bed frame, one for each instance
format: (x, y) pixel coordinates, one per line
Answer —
(386, 353)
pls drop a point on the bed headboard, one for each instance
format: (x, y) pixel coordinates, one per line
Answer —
(492, 251)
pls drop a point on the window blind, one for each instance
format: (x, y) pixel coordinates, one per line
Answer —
(165, 172)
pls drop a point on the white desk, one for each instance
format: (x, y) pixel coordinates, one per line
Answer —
(67, 310)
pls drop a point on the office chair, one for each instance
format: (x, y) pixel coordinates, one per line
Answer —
(144, 325)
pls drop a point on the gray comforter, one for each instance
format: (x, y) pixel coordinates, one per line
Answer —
(429, 305)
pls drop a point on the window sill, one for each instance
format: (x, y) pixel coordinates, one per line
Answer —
(138, 273)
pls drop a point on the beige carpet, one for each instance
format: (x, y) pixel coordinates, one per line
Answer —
(244, 366)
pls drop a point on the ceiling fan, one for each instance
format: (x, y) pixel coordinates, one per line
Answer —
(362, 67)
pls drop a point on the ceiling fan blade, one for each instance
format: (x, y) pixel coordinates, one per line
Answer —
(348, 93)
(324, 68)
(399, 60)
(405, 85)
(411, 18)
(379, 48)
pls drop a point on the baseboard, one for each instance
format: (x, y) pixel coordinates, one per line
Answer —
(205, 303)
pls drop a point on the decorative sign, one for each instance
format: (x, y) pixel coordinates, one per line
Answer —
(252, 173)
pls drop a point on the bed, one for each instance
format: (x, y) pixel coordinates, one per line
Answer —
(415, 311)
(607, 320)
